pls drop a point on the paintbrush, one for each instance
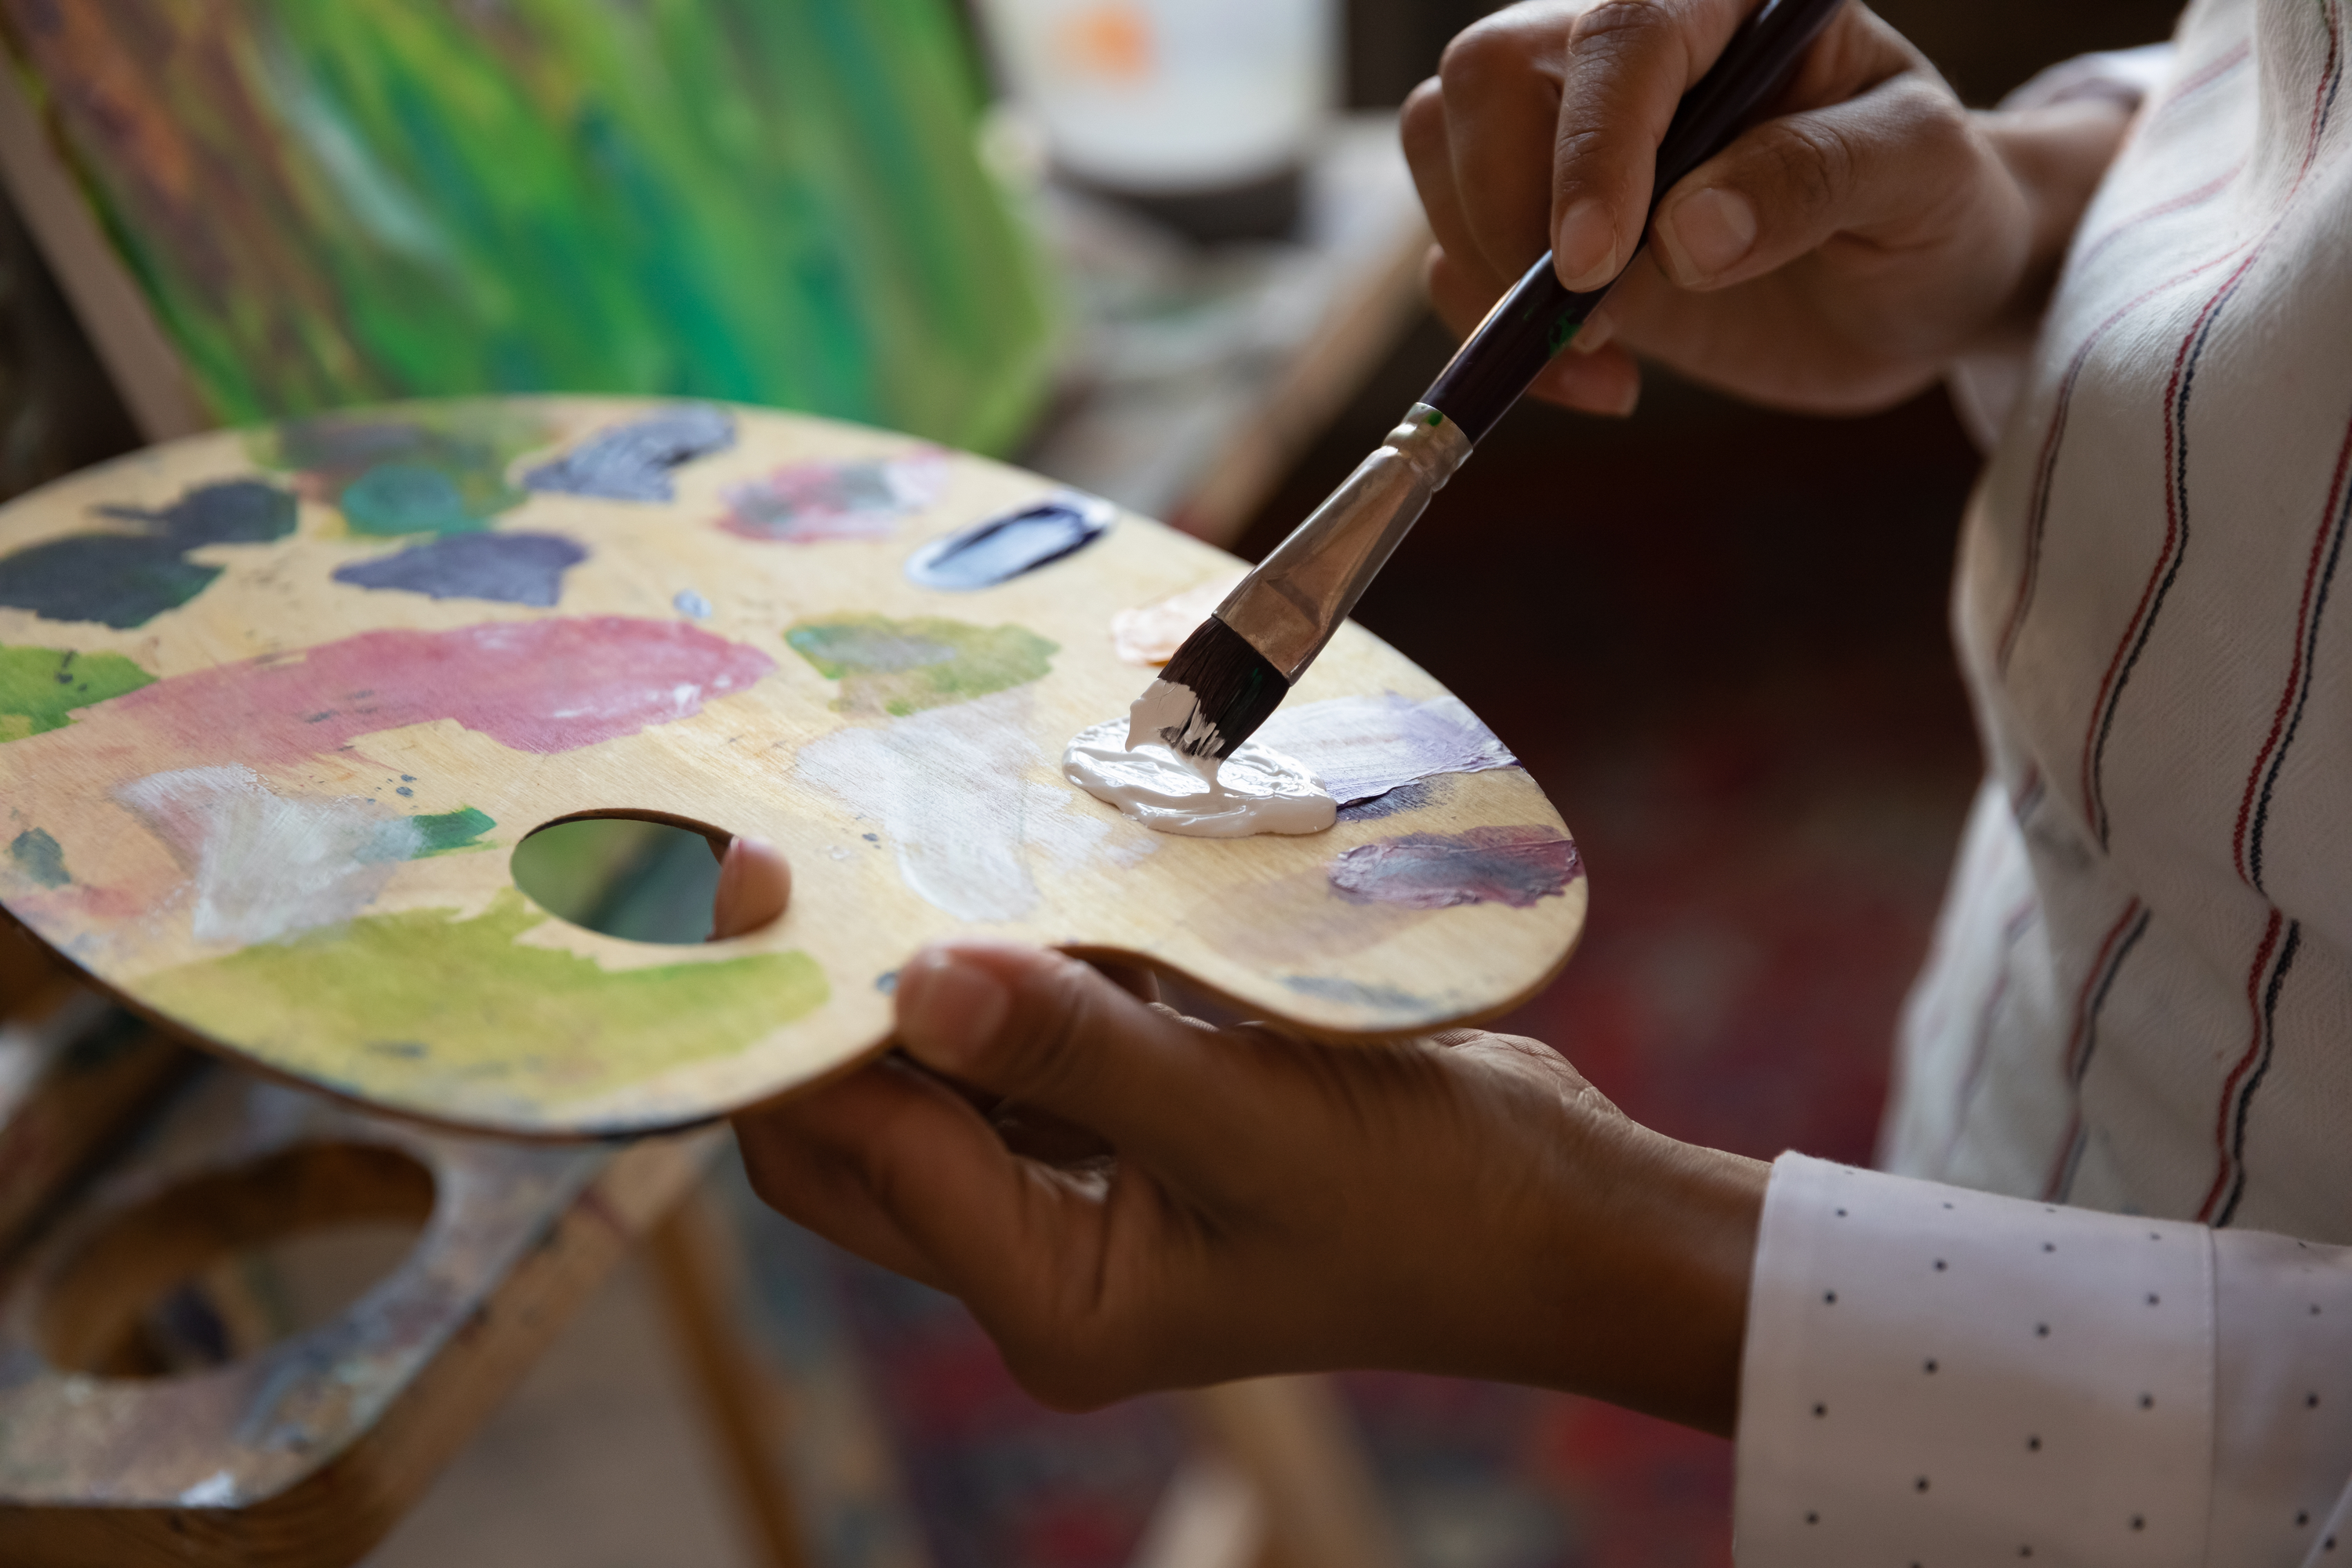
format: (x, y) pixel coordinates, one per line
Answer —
(1232, 672)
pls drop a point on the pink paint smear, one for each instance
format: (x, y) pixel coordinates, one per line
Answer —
(809, 503)
(534, 686)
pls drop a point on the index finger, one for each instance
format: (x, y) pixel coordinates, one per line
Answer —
(1629, 63)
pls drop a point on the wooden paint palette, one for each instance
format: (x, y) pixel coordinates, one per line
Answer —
(275, 707)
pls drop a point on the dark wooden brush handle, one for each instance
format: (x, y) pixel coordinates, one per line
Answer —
(1537, 318)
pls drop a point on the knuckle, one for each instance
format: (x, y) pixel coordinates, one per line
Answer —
(1479, 54)
(1631, 34)
(1626, 27)
(1813, 161)
(1513, 43)
(1058, 1015)
(1422, 122)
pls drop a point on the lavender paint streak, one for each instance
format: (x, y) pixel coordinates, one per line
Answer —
(504, 568)
(1513, 866)
(633, 461)
(1362, 747)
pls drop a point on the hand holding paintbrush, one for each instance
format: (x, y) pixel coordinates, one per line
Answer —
(1231, 674)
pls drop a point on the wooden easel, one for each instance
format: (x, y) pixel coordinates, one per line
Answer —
(105, 1121)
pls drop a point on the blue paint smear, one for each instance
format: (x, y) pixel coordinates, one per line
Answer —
(39, 856)
(504, 568)
(633, 461)
(1002, 548)
(692, 605)
(125, 580)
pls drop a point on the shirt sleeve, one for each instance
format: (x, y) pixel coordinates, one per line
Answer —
(1935, 1375)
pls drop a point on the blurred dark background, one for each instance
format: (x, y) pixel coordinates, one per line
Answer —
(1984, 48)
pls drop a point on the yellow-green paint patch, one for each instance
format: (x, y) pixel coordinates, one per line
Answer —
(397, 1000)
(898, 668)
(39, 686)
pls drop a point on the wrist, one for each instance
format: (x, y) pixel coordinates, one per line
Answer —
(1645, 1273)
(2055, 156)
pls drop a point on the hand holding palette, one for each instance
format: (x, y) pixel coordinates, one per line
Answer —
(275, 707)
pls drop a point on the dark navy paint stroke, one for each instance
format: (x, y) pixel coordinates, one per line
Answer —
(1404, 798)
(1003, 547)
(125, 580)
(234, 512)
(633, 461)
(504, 568)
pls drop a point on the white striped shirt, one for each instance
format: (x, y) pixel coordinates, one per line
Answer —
(2139, 999)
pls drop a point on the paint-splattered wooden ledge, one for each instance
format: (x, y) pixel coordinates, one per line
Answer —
(275, 706)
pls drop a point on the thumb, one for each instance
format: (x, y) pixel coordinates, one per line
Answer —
(1050, 1032)
(1881, 166)
(755, 882)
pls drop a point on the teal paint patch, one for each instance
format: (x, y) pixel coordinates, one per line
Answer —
(448, 831)
(38, 856)
(407, 497)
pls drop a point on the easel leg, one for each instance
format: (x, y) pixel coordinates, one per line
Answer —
(1291, 1441)
(745, 1410)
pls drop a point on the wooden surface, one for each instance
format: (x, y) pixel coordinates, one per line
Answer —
(254, 839)
(73, 1071)
(305, 1453)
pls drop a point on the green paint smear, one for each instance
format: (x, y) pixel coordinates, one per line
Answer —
(391, 1001)
(40, 686)
(39, 856)
(898, 668)
(451, 830)
(424, 470)
(778, 202)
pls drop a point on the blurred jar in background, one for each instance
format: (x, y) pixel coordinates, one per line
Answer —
(1200, 112)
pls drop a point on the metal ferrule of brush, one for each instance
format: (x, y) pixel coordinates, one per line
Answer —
(1291, 605)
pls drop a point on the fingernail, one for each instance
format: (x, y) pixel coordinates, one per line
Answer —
(1707, 234)
(1584, 246)
(949, 1009)
(1596, 330)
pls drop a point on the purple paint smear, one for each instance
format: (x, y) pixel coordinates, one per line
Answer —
(1404, 798)
(1365, 746)
(535, 686)
(809, 503)
(633, 461)
(1514, 866)
(504, 568)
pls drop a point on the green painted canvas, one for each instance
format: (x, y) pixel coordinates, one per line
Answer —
(768, 201)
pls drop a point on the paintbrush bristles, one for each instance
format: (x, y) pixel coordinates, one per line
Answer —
(1212, 696)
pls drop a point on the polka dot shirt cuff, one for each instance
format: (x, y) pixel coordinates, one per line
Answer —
(1937, 1377)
